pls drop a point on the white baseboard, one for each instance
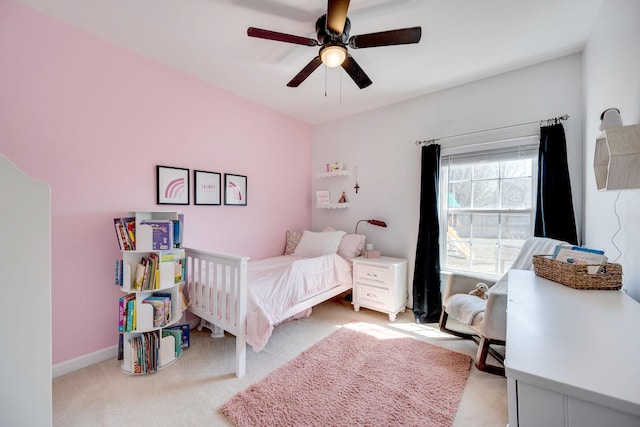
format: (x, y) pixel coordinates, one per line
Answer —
(69, 366)
(78, 363)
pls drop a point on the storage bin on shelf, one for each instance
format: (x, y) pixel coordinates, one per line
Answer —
(577, 276)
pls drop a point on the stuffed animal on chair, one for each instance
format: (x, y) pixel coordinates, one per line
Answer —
(480, 290)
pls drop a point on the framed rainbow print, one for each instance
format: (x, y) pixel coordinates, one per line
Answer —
(172, 185)
(235, 190)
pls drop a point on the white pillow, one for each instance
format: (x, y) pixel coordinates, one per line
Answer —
(351, 246)
(313, 244)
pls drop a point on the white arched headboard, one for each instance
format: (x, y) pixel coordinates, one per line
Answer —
(25, 292)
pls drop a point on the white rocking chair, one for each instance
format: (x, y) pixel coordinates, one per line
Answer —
(487, 319)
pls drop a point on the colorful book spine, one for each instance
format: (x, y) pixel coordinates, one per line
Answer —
(119, 273)
(138, 280)
(122, 235)
(123, 311)
(131, 312)
(185, 333)
(177, 233)
(129, 224)
(146, 281)
(155, 271)
(177, 338)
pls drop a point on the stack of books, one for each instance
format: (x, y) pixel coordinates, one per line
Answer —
(165, 233)
(594, 258)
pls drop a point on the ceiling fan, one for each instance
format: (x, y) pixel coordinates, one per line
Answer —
(333, 39)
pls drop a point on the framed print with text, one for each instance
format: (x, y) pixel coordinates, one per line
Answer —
(206, 188)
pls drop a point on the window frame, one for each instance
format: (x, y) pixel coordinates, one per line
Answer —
(502, 147)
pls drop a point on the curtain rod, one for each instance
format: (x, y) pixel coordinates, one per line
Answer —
(541, 122)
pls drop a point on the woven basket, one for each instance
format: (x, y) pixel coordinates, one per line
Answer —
(576, 276)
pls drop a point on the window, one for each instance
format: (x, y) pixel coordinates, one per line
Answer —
(489, 208)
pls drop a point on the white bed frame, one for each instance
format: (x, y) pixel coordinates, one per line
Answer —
(227, 275)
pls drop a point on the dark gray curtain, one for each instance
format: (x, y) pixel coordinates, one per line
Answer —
(427, 300)
(554, 210)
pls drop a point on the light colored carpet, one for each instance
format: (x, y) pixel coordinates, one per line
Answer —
(190, 391)
(378, 377)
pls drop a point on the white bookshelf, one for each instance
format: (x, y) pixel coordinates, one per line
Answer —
(144, 312)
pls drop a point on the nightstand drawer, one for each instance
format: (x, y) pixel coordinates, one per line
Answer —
(372, 296)
(373, 275)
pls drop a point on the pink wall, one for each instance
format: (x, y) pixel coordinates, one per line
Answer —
(93, 121)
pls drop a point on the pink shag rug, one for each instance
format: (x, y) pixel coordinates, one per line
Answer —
(360, 375)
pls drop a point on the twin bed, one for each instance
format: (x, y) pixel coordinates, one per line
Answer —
(249, 298)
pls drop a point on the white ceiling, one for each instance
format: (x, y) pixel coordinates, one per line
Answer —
(462, 41)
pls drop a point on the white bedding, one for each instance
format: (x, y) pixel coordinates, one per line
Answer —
(277, 284)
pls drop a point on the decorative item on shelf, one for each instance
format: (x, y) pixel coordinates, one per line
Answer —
(376, 222)
(370, 253)
(333, 173)
(343, 198)
(616, 162)
(337, 166)
(357, 187)
(323, 198)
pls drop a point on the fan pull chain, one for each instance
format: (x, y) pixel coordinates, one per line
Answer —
(325, 81)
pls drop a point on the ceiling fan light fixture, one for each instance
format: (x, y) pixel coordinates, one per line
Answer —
(333, 55)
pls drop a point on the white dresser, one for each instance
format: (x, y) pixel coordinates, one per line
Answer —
(380, 284)
(572, 356)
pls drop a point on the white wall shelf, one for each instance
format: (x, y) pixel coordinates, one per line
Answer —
(333, 206)
(343, 172)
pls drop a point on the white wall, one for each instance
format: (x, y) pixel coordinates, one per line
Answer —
(382, 144)
(612, 79)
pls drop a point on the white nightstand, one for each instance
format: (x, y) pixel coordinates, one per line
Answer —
(380, 284)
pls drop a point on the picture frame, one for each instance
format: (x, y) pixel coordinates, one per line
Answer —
(235, 190)
(323, 197)
(207, 188)
(172, 185)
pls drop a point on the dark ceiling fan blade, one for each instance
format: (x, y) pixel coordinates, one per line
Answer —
(337, 15)
(386, 38)
(280, 37)
(356, 73)
(305, 72)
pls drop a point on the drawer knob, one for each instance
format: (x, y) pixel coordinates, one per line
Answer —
(372, 274)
